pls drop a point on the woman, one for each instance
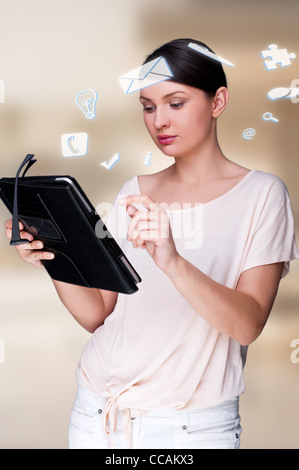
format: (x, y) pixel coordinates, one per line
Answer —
(164, 367)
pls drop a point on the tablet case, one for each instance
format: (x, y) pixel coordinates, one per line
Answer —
(55, 210)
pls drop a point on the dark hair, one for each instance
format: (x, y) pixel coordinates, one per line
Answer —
(190, 67)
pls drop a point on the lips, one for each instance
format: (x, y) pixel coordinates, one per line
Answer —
(166, 139)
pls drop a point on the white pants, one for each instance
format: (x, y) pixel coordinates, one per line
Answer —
(217, 427)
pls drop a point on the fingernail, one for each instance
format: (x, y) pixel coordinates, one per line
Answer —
(50, 255)
(122, 200)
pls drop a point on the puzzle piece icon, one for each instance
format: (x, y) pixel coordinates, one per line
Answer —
(277, 56)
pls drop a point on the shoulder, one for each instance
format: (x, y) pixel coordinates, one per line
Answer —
(137, 184)
(267, 181)
(150, 184)
(269, 191)
(130, 186)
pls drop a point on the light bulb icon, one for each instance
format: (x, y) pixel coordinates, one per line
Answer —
(86, 100)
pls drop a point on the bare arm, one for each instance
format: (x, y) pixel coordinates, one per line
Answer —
(88, 306)
(240, 313)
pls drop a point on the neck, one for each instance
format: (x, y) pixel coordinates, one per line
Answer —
(201, 166)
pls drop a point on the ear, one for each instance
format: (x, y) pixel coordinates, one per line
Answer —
(220, 101)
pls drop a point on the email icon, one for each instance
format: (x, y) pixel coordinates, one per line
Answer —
(152, 72)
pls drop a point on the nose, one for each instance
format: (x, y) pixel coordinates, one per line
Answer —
(161, 118)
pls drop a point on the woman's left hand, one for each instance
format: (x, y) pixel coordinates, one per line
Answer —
(150, 229)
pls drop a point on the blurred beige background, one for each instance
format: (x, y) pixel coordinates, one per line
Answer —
(49, 52)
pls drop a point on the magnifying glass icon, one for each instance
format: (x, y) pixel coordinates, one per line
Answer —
(269, 117)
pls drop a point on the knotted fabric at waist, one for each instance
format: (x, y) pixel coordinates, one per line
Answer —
(115, 416)
(111, 413)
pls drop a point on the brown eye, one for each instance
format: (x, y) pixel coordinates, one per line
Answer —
(176, 105)
(149, 109)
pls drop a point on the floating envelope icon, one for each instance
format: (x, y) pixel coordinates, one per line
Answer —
(152, 72)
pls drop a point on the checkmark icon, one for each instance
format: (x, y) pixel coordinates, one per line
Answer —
(111, 162)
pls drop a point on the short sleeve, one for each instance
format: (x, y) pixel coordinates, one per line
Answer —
(273, 238)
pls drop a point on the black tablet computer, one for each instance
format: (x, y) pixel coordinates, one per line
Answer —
(55, 210)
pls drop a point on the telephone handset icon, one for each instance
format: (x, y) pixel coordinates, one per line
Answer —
(71, 143)
(74, 145)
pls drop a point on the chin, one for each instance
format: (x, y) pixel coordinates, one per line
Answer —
(168, 151)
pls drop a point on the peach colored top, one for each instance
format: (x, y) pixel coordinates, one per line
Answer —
(154, 352)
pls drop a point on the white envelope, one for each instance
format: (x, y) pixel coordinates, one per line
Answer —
(153, 72)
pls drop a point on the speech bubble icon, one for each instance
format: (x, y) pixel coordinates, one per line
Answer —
(277, 93)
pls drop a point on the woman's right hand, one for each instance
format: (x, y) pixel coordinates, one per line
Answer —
(29, 252)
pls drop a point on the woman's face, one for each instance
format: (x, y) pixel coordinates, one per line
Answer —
(179, 118)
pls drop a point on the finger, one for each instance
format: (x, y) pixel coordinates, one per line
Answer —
(34, 256)
(42, 255)
(8, 224)
(145, 227)
(37, 245)
(146, 236)
(39, 264)
(143, 199)
(8, 233)
(131, 210)
(28, 248)
(142, 220)
(24, 235)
